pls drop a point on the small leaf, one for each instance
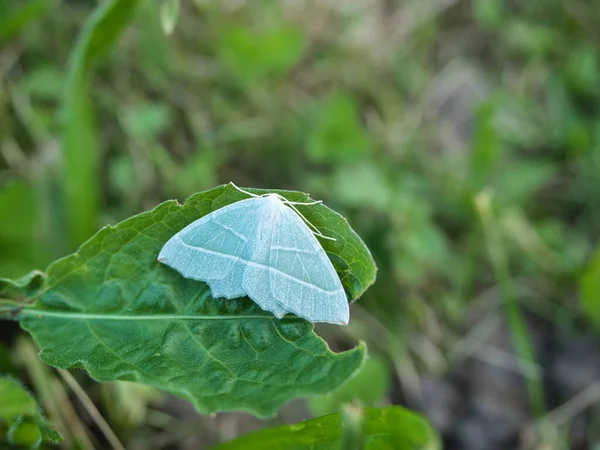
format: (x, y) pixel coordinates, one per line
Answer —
(25, 433)
(169, 13)
(20, 411)
(115, 311)
(382, 428)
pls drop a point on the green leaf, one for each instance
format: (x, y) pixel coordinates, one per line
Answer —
(116, 312)
(368, 386)
(19, 410)
(81, 154)
(382, 428)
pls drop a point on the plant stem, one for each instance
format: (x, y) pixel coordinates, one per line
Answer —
(517, 324)
(10, 309)
(91, 409)
(53, 397)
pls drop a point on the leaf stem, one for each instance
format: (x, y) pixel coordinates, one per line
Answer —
(10, 309)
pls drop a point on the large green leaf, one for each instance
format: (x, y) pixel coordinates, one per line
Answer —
(113, 310)
(20, 413)
(80, 140)
(382, 428)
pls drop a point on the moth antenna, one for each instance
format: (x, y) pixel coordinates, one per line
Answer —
(244, 191)
(316, 202)
(314, 229)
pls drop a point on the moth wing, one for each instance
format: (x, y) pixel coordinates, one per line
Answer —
(217, 247)
(292, 269)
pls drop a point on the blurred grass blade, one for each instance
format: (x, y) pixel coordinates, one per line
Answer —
(169, 13)
(517, 324)
(589, 288)
(81, 153)
(12, 23)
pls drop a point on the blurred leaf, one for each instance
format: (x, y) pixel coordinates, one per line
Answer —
(20, 249)
(6, 361)
(127, 403)
(486, 148)
(18, 212)
(559, 110)
(81, 154)
(362, 185)
(517, 185)
(116, 312)
(123, 177)
(146, 120)
(382, 428)
(338, 135)
(589, 287)
(45, 82)
(532, 39)
(169, 13)
(20, 411)
(368, 386)
(27, 13)
(25, 433)
(15, 400)
(418, 245)
(155, 49)
(488, 13)
(583, 69)
(255, 54)
(198, 172)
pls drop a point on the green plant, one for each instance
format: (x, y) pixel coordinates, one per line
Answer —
(114, 311)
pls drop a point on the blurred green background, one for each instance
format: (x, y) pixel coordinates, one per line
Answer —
(460, 138)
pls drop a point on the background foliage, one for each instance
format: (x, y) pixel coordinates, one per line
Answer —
(459, 137)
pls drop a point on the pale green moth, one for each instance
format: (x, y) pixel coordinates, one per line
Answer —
(263, 248)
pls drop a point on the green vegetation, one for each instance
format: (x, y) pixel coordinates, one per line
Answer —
(461, 140)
